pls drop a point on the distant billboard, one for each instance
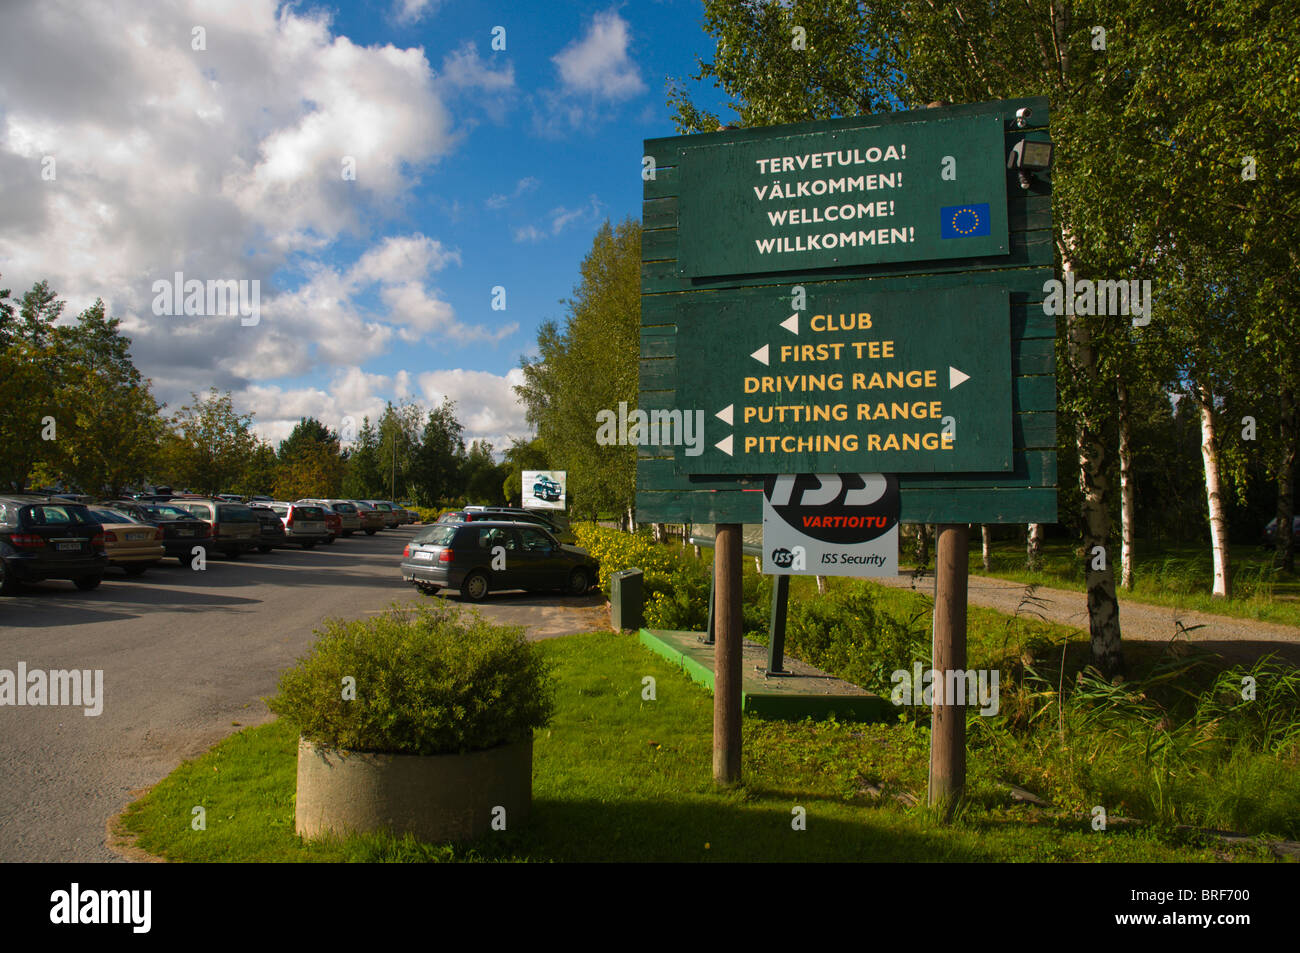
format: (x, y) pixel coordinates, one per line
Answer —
(544, 489)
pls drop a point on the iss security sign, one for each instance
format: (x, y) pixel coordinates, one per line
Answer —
(831, 524)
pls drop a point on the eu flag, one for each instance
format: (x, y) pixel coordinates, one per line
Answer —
(964, 221)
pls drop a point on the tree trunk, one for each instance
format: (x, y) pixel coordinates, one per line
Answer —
(986, 536)
(922, 545)
(1214, 493)
(1103, 605)
(1284, 554)
(821, 585)
(1034, 547)
(1125, 487)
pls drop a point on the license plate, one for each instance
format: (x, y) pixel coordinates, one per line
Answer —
(138, 535)
(421, 554)
(185, 532)
(76, 547)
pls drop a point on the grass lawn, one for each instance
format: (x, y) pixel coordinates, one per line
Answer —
(1180, 576)
(620, 778)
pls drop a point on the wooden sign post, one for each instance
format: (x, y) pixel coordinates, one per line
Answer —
(859, 295)
(948, 717)
(728, 653)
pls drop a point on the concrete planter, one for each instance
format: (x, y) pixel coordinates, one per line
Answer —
(437, 798)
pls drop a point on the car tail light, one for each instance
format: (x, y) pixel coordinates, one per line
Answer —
(406, 551)
(157, 534)
(445, 556)
(216, 530)
(108, 536)
(289, 521)
(27, 540)
(98, 539)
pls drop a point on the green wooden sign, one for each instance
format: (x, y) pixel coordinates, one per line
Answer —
(859, 381)
(863, 194)
(677, 371)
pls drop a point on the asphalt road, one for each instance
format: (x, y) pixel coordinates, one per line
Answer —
(187, 658)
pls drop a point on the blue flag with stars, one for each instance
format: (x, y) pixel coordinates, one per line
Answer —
(964, 221)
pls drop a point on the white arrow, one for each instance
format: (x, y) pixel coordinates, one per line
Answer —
(760, 355)
(955, 377)
(725, 414)
(725, 445)
(791, 323)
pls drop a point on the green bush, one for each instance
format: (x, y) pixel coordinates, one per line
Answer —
(843, 633)
(427, 681)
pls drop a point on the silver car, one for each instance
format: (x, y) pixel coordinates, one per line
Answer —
(347, 513)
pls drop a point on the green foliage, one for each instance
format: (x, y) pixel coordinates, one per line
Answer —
(214, 443)
(589, 365)
(427, 682)
(844, 633)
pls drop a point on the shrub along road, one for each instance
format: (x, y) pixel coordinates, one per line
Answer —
(187, 658)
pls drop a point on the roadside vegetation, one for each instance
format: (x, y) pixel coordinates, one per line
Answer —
(621, 778)
(1175, 743)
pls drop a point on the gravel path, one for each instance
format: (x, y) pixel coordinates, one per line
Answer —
(1238, 639)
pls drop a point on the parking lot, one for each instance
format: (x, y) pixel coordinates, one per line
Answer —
(186, 658)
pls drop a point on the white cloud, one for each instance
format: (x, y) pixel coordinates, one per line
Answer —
(407, 12)
(598, 64)
(561, 218)
(529, 233)
(485, 403)
(522, 187)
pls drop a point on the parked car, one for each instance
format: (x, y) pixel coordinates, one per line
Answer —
(544, 488)
(391, 520)
(44, 539)
(461, 556)
(1270, 533)
(181, 530)
(304, 523)
(349, 518)
(372, 520)
(272, 533)
(233, 527)
(513, 514)
(132, 544)
(410, 511)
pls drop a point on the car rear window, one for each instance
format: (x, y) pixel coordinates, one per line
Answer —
(49, 514)
(344, 508)
(309, 512)
(113, 516)
(168, 512)
(236, 513)
(436, 535)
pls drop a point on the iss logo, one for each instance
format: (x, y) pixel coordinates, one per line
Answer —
(795, 558)
(839, 509)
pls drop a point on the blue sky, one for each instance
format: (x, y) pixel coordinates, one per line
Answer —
(211, 138)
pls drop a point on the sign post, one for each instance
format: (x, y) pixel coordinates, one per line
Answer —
(948, 714)
(858, 296)
(727, 653)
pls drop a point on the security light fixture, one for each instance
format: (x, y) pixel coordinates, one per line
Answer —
(1027, 157)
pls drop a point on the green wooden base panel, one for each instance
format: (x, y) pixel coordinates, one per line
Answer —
(805, 693)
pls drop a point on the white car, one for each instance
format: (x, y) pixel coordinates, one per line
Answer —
(304, 523)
